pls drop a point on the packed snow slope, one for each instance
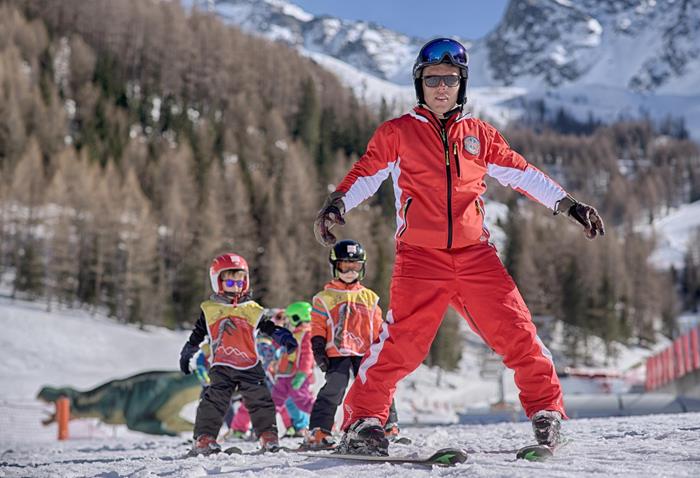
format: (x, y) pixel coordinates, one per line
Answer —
(73, 347)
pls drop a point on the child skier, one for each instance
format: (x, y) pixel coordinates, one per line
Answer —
(269, 354)
(232, 320)
(345, 320)
(294, 370)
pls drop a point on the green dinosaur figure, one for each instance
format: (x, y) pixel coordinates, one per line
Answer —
(149, 402)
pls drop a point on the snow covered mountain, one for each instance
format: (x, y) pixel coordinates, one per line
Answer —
(644, 46)
(605, 58)
(366, 46)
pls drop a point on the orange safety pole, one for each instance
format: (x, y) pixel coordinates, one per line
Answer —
(62, 417)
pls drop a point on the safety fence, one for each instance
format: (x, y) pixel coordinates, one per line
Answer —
(680, 358)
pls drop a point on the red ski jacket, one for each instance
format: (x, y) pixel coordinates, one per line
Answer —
(438, 176)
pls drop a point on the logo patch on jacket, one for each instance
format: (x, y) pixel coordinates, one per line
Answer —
(472, 145)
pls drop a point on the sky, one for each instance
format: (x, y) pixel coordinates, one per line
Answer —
(466, 19)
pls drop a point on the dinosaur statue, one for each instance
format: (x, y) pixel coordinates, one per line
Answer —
(149, 402)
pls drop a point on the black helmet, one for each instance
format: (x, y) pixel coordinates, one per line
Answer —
(347, 250)
(442, 50)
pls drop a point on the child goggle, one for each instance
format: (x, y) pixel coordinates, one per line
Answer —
(350, 266)
(434, 81)
(232, 282)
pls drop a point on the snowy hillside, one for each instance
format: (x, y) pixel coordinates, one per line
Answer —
(608, 59)
(72, 347)
(673, 233)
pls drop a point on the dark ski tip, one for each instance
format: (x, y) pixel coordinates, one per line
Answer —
(448, 457)
(535, 453)
(234, 450)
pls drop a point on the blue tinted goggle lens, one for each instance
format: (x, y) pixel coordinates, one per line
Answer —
(237, 283)
(436, 52)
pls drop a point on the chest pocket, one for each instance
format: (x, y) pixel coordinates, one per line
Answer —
(468, 158)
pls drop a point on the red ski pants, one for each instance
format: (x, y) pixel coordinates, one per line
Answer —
(474, 281)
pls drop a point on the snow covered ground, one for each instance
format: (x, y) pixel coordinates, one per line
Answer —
(73, 347)
(660, 445)
(674, 233)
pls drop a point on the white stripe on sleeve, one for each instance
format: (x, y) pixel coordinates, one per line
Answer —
(531, 181)
(365, 186)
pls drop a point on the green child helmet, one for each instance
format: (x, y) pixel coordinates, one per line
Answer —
(298, 313)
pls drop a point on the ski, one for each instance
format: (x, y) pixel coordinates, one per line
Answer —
(445, 457)
(234, 450)
(535, 453)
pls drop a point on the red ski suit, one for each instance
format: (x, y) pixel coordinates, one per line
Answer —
(443, 254)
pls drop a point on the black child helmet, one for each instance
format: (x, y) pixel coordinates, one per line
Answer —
(347, 250)
(442, 50)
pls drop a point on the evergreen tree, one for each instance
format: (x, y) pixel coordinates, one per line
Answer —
(26, 194)
(309, 117)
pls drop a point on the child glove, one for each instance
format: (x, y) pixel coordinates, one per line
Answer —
(298, 380)
(285, 338)
(185, 355)
(318, 347)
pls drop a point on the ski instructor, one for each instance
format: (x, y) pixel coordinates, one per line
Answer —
(438, 157)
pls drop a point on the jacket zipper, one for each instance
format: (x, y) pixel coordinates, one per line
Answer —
(405, 216)
(442, 132)
(446, 146)
(454, 153)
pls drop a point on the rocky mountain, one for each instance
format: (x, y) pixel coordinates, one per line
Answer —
(648, 46)
(608, 58)
(366, 46)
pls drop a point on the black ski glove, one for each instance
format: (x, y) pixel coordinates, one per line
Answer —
(582, 214)
(186, 355)
(285, 338)
(330, 214)
(279, 334)
(318, 347)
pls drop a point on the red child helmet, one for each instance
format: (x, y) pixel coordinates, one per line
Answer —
(227, 262)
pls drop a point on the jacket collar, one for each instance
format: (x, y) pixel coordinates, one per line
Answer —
(422, 113)
(337, 284)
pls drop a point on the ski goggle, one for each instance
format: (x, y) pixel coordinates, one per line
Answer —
(347, 266)
(232, 282)
(436, 51)
(434, 81)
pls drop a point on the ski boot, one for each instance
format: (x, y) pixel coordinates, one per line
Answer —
(204, 445)
(269, 441)
(391, 430)
(365, 437)
(546, 425)
(318, 439)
